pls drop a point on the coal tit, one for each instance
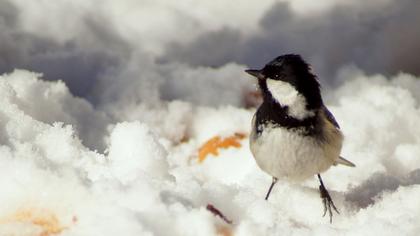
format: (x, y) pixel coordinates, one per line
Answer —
(294, 136)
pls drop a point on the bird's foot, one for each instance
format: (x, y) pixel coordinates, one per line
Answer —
(271, 188)
(327, 201)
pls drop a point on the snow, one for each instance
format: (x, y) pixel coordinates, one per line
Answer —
(148, 181)
(103, 118)
(129, 159)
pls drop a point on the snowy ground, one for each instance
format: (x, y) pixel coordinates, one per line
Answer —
(148, 181)
(109, 140)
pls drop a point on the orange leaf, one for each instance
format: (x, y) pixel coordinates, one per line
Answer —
(224, 231)
(213, 145)
(42, 218)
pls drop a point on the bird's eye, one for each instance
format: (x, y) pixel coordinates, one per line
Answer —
(277, 76)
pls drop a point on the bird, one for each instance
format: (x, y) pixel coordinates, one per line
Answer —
(294, 136)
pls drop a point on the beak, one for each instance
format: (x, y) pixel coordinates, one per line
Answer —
(256, 73)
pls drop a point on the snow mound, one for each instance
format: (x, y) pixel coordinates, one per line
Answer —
(149, 180)
(134, 150)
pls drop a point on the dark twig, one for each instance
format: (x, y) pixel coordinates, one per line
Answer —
(218, 213)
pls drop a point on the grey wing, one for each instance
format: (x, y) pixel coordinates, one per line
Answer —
(330, 117)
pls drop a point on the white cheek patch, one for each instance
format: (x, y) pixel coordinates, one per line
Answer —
(287, 95)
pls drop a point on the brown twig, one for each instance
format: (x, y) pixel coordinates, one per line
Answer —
(216, 212)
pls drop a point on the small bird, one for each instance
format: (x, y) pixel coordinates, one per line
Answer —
(294, 136)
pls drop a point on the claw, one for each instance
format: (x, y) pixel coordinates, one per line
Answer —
(324, 201)
(327, 201)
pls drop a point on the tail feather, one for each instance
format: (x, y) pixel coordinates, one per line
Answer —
(345, 162)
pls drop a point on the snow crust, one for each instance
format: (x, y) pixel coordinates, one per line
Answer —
(148, 180)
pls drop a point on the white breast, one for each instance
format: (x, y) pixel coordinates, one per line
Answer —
(285, 154)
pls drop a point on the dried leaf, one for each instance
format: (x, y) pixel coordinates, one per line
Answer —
(213, 145)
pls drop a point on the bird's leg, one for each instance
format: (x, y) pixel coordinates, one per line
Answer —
(326, 200)
(271, 187)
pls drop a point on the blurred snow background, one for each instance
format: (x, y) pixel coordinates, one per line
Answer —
(104, 105)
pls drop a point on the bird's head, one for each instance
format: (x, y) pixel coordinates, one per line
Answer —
(288, 81)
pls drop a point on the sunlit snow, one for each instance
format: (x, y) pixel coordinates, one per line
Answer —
(150, 183)
(106, 106)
